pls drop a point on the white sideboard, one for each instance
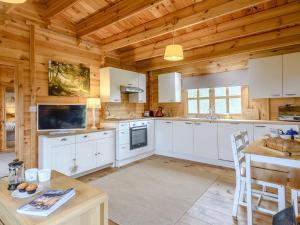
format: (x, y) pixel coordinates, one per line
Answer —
(77, 154)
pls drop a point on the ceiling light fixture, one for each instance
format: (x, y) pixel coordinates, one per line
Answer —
(173, 52)
(13, 1)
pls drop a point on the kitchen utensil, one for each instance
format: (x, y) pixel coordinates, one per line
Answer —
(16, 174)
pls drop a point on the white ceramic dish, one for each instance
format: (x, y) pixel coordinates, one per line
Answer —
(17, 194)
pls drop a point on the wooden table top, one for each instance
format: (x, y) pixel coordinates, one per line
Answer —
(258, 148)
(85, 197)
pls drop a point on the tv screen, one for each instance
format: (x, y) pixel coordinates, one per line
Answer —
(61, 117)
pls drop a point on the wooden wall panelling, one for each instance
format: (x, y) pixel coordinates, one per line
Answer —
(279, 17)
(271, 40)
(184, 18)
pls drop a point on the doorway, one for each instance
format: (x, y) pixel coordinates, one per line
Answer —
(7, 117)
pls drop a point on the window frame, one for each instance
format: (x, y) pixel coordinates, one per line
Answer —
(212, 99)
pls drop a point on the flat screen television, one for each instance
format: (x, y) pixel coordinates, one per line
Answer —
(61, 117)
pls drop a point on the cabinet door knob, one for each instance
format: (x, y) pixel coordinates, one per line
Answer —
(105, 133)
(63, 139)
(85, 136)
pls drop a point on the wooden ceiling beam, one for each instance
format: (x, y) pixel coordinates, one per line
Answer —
(189, 16)
(279, 17)
(56, 7)
(266, 41)
(117, 12)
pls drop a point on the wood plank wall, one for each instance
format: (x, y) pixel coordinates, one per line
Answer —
(15, 42)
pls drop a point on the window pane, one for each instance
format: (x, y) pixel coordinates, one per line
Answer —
(235, 105)
(235, 91)
(204, 92)
(220, 106)
(192, 106)
(204, 106)
(221, 91)
(192, 93)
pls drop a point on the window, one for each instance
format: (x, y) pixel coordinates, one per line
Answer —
(223, 100)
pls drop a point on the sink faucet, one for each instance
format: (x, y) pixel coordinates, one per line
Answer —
(211, 115)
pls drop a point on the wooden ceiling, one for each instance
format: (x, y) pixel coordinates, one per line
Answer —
(139, 30)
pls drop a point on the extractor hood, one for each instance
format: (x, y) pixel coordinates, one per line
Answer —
(130, 89)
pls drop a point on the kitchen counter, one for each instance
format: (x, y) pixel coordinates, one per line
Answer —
(64, 134)
(203, 120)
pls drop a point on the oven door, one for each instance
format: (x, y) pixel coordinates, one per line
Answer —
(138, 137)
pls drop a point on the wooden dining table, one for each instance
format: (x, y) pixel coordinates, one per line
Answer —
(257, 153)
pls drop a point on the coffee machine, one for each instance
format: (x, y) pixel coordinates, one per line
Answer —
(16, 174)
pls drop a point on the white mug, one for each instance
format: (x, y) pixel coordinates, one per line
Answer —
(31, 175)
(44, 175)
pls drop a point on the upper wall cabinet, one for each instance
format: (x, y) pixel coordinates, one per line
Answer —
(110, 85)
(276, 76)
(265, 77)
(169, 87)
(291, 74)
(140, 97)
(111, 79)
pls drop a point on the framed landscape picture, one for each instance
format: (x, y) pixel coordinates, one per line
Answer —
(68, 79)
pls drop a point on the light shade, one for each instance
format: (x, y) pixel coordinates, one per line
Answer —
(93, 103)
(174, 53)
(13, 1)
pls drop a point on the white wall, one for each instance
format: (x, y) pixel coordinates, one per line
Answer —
(226, 79)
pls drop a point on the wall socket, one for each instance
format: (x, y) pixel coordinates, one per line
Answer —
(32, 108)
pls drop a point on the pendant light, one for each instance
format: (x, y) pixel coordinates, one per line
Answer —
(13, 1)
(173, 52)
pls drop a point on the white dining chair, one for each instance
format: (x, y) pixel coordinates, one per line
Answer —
(239, 142)
(295, 196)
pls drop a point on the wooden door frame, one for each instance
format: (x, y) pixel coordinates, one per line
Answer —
(18, 67)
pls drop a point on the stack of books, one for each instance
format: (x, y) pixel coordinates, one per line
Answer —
(47, 203)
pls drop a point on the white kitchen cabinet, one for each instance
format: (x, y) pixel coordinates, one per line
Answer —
(62, 159)
(265, 76)
(169, 87)
(291, 75)
(164, 136)
(105, 151)
(110, 85)
(76, 154)
(205, 140)
(150, 135)
(183, 137)
(140, 97)
(85, 156)
(225, 130)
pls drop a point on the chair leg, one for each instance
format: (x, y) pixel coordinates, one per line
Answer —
(242, 193)
(281, 198)
(236, 198)
(295, 201)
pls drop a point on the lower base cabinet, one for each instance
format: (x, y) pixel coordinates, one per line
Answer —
(76, 154)
(183, 137)
(225, 130)
(205, 136)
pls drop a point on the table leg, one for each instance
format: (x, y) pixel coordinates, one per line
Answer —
(249, 190)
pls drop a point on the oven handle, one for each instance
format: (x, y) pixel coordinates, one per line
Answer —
(138, 128)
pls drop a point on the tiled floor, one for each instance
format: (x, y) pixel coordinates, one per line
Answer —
(213, 207)
(5, 158)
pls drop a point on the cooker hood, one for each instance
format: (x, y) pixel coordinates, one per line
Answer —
(130, 89)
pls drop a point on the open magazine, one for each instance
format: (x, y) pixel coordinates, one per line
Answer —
(47, 203)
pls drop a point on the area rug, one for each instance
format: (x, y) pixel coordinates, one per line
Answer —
(153, 192)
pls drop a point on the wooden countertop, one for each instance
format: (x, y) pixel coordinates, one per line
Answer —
(85, 199)
(202, 120)
(64, 134)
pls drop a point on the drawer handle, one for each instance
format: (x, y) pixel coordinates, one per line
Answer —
(63, 139)
(105, 133)
(290, 94)
(168, 122)
(197, 123)
(276, 95)
(188, 123)
(261, 126)
(234, 123)
(85, 136)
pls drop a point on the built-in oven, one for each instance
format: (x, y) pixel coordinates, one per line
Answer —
(138, 135)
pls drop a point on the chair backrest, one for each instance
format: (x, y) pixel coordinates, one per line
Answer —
(285, 217)
(239, 142)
